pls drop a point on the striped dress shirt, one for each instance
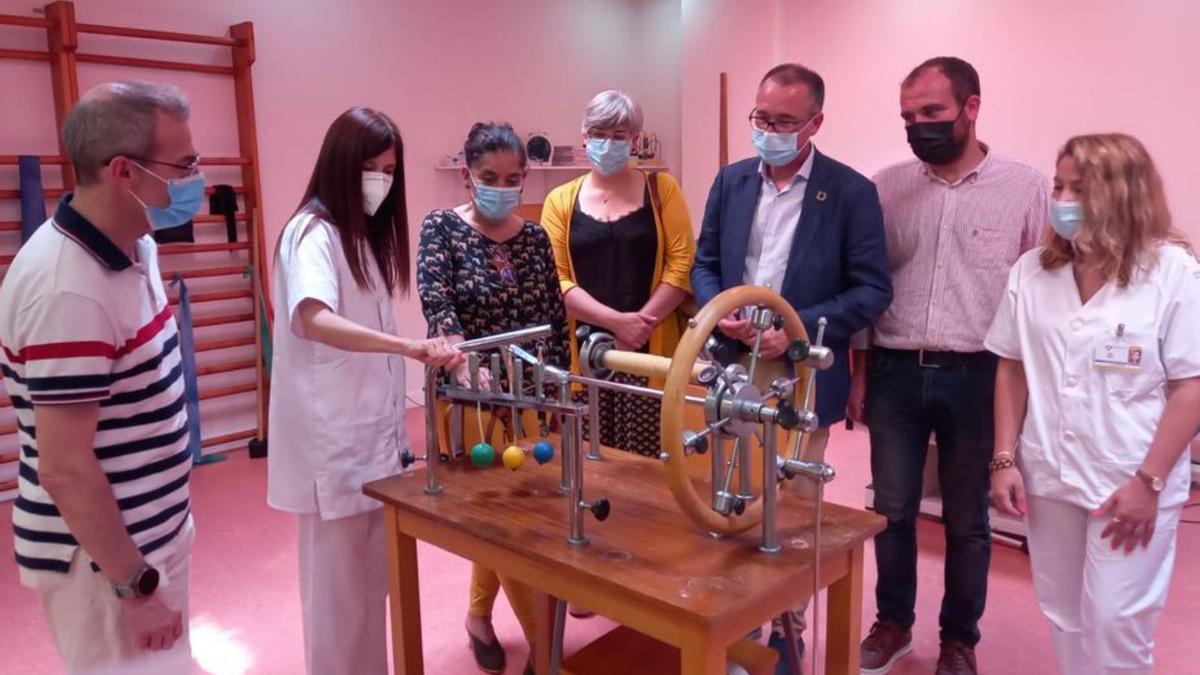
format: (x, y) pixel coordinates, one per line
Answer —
(950, 246)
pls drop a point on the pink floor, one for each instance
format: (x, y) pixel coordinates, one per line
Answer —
(246, 615)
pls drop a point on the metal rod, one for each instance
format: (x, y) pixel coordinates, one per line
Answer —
(770, 493)
(468, 397)
(495, 372)
(569, 425)
(473, 371)
(456, 430)
(816, 549)
(760, 318)
(560, 631)
(718, 464)
(655, 394)
(727, 479)
(539, 378)
(503, 339)
(593, 393)
(432, 486)
(574, 479)
(744, 469)
(516, 382)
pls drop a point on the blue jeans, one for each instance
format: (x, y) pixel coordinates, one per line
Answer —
(905, 403)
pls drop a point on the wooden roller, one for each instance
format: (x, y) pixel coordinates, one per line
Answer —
(678, 377)
(646, 365)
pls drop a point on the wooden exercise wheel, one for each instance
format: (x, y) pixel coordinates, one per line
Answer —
(679, 376)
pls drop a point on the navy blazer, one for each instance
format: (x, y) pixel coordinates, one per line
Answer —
(838, 267)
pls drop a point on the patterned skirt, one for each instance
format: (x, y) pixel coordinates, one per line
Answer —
(627, 421)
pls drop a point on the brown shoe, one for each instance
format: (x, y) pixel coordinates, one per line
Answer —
(956, 659)
(885, 645)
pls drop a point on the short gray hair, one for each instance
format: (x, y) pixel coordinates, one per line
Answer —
(117, 118)
(613, 109)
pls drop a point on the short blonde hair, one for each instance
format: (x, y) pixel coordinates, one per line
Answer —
(612, 109)
(1124, 206)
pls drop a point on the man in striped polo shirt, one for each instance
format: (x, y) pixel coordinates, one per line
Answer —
(956, 218)
(91, 360)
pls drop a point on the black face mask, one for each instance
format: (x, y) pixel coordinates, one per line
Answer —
(935, 142)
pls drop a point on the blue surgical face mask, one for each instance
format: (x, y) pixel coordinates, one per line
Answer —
(187, 194)
(777, 149)
(607, 155)
(1066, 218)
(495, 203)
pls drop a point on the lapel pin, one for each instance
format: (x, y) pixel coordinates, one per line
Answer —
(822, 195)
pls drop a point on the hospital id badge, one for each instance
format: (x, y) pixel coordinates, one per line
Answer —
(1118, 353)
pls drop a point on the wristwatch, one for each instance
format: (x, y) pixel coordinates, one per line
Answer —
(1157, 484)
(143, 584)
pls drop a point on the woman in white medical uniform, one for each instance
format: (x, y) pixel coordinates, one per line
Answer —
(1097, 399)
(337, 385)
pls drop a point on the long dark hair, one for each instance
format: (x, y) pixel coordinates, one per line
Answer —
(334, 194)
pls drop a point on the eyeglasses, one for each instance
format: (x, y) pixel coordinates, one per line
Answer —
(191, 167)
(783, 125)
(616, 135)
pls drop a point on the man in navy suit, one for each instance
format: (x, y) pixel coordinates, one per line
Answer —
(805, 225)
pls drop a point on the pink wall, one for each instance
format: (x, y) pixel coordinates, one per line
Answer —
(435, 67)
(1048, 70)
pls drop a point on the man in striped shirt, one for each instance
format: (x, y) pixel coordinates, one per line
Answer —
(956, 219)
(91, 360)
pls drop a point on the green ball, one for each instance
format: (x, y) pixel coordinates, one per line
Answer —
(483, 454)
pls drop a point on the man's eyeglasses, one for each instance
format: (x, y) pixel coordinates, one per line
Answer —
(783, 125)
(191, 167)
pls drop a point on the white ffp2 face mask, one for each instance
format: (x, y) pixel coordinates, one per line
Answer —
(375, 188)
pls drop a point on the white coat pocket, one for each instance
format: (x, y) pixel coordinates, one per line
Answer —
(354, 453)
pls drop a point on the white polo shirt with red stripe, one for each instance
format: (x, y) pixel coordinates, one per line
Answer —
(80, 321)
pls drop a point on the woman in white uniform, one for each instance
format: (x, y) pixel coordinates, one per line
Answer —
(1097, 399)
(337, 385)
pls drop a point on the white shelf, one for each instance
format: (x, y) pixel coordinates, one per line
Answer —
(556, 167)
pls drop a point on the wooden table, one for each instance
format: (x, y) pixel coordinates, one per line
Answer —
(647, 567)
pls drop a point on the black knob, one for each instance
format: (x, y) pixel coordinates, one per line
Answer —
(777, 322)
(788, 417)
(695, 442)
(600, 509)
(797, 351)
(739, 506)
(406, 459)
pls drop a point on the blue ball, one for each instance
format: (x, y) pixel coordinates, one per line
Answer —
(543, 452)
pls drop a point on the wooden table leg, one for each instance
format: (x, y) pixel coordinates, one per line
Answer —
(543, 631)
(701, 656)
(844, 619)
(405, 600)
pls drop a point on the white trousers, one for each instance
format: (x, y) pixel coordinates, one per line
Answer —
(343, 592)
(1102, 604)
(85, 616)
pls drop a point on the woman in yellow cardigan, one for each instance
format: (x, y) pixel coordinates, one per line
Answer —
(624, 245)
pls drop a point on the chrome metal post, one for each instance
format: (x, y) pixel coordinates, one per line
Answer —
(568, 427)
(432, 486)
(770, 493)
(593, 394)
